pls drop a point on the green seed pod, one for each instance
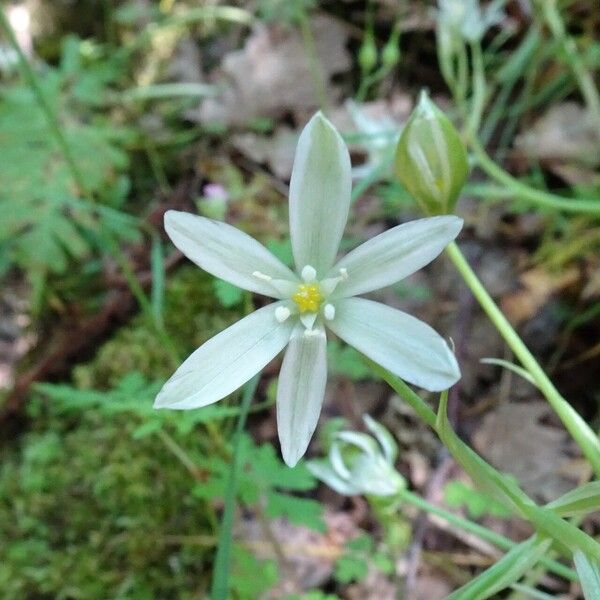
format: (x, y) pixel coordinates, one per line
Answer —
(431, 160)
(367, 54)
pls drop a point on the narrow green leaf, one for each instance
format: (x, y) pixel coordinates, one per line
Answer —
(220, 582)
(158, 280)
(589, 574)
(580, 501)
(566, 535)
(524, 373)
(505, 572)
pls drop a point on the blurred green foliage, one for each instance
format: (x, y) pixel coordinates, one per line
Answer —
(46, 221)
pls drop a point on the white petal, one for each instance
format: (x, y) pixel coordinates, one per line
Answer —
(395, 254)
(226, 252)
(300, 393)
(226, 361)
(323, 471)
(384, 437)
(398, 342)
(320, 190)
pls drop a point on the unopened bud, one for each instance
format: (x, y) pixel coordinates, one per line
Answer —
(431, 160)
(390, 55)
(367, 54)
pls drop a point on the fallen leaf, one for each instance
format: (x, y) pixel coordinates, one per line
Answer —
(537, 287)
(515, 439)
(271, 75)
(309, 556)
(566, 141)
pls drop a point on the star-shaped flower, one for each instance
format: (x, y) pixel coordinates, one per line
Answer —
(361, 464)
(319, 295)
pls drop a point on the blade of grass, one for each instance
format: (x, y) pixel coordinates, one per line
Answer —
(158, 280)
(220, 582)
(589, 574)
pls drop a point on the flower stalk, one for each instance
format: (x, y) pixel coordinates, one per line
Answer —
(580, 431)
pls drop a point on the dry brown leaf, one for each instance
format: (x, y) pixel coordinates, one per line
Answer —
(271, 75)
(309, 556)
(566, 140)
(537, 286)
(375, 586)
(277, 151)
(514, 440)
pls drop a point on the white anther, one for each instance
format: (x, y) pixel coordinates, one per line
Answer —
(309, 274)
(344, 273)
(262, 276)
(329, 312)
(282, 313)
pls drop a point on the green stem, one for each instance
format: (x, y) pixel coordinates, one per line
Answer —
(481, 532)
(220, 582)
(479, 91)
(313, 62)
(575, 62)
(525, 192)
(414, 400)
(575, 425)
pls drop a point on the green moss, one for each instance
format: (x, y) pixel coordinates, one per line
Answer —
(192, 315)
(87, 512)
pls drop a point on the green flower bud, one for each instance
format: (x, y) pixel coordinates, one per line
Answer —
(367, 54)
(390, 55)
(431, 160)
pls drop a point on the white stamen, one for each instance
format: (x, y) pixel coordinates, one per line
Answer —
(262, 276)
(282, 313)
(309, 274)
(329, 312)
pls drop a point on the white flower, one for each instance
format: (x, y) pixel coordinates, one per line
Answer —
(381, 139)
(358, 464)
(466, 19)
(319, 295)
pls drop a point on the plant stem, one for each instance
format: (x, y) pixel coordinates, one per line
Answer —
(580, 431)
(479, 91)
(313, 61)
(480, 531)
(411, 398)
(525, 192)
(220, 582)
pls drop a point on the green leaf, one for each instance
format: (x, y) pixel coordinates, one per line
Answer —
(299, 511)
(505, 572)
(245, 584)
(282, 249)
(478, 504)
(566, 535)
(228, 294)
(350, 567)
(589, 574)
(220, 581)
(580, 501)
(345, 360)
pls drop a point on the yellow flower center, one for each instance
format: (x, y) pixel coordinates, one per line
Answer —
(308, 297)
